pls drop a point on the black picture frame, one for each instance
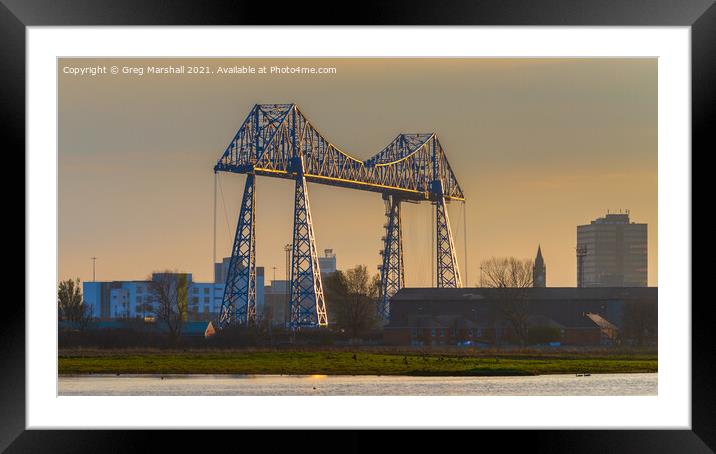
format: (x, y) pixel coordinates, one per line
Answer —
(700, 15)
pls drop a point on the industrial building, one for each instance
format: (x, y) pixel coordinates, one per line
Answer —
(136, 299)
(612, 252)
(276, 295)
(327, 263)
(573, 316)
(276, 302)
(221, 269)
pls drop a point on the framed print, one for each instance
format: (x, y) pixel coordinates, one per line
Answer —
(472, 218)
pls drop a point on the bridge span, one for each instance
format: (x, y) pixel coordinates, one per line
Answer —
(277, 140)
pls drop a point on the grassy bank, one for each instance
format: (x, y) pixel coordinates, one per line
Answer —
(344, 363)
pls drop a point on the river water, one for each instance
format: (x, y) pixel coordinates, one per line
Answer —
(357, 385)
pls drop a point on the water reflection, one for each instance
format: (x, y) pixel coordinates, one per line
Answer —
(293, 385)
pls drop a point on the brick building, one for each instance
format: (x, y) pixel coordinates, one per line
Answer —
(570, 316)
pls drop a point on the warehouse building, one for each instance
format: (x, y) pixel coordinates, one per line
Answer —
(487, 316)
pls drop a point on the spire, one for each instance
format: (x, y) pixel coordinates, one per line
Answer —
(539, 270)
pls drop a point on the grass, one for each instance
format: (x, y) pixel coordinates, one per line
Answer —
(342, 363)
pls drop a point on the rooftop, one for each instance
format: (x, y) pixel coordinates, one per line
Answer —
(533, 293)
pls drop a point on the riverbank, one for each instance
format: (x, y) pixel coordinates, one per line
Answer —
(352, 363)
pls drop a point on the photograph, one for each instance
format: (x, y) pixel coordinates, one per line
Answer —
(357, 226)
(466, 218)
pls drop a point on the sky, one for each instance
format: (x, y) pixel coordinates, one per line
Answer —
(539, 146)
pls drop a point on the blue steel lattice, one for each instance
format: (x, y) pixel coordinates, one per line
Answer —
(239, 302)
(448, 272)
(307, 307)
(392, 276)
(274, 134)
(277, 140)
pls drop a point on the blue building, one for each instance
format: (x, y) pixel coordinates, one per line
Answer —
(136, 299)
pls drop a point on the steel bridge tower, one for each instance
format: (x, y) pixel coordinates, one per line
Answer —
(392, 275)
(239, 302)
(277, 140)
(306, 307)
(448, 272)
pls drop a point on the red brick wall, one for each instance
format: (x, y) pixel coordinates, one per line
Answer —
(396, 336)
(582, 336)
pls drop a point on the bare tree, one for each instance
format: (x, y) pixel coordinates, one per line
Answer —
(352, 296)
(171, 291)
(85, 318)
(70, 306)
(512, 277)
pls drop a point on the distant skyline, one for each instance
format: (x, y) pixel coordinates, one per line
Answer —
(539, 146)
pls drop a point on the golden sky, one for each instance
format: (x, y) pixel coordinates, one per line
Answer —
(538, 146)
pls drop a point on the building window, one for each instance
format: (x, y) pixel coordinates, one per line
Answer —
(432, 332)
(195, 299)
(206, 290)
(206, 299)
(195, 290)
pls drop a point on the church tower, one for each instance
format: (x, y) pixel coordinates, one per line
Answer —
(539, 270)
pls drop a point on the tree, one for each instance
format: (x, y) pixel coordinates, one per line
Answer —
(544, 334)
(352, 297)
(70, 306)
(171, 291)
(85, 318)
(512, 277)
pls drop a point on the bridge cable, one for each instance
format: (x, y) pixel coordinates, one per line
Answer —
(464, 241)
(226, 217)
(213, 259)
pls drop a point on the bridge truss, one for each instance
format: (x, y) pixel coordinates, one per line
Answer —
(277, 140)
